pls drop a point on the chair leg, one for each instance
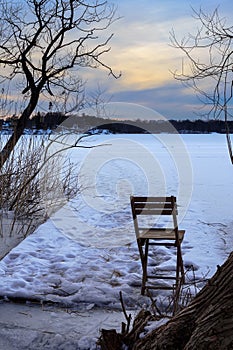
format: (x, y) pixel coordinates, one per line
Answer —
(179, 266)
(144, 260)
(176, 297)
(180, 278)
(144, 276)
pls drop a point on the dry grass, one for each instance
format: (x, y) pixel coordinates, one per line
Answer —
(31, 189)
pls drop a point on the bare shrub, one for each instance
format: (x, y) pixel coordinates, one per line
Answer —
(31, 188)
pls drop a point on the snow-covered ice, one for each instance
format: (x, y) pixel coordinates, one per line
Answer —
(86, 253)
(32, 327)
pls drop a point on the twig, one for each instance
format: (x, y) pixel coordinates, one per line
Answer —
(154, 306)
(127, 317)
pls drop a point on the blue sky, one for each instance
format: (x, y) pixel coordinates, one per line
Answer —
(141, 50)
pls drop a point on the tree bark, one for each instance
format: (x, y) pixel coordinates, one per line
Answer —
(19, 129)
(207, 323)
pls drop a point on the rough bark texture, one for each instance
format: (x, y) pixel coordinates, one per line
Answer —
(207, 323)
(19, 129)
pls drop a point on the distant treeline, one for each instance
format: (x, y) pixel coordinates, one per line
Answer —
(163, 126)
(38, 122)
(96, 124)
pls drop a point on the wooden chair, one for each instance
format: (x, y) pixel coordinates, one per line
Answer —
(162, 231)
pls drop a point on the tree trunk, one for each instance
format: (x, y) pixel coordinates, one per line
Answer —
(207, 323)
(18, 130)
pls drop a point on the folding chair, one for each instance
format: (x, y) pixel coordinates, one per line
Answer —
(162, 211)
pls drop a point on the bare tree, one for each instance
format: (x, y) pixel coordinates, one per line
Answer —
(208, 67)
(45, 44)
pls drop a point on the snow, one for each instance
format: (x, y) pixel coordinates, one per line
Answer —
(86, 253)
(152, 325)
(32, 327)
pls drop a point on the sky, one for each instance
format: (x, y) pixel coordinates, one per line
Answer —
(141, 50)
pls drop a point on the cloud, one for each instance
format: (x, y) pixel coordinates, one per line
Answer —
(141, 47)
(141, 50)
(171, 101)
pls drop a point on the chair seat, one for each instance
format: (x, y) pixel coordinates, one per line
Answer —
(164, 234)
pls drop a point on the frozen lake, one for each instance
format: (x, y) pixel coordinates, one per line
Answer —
(195, 168)
(86, 253)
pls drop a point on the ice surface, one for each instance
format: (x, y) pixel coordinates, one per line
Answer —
(86, 253)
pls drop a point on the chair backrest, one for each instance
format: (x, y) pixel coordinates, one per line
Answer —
(154, 206)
